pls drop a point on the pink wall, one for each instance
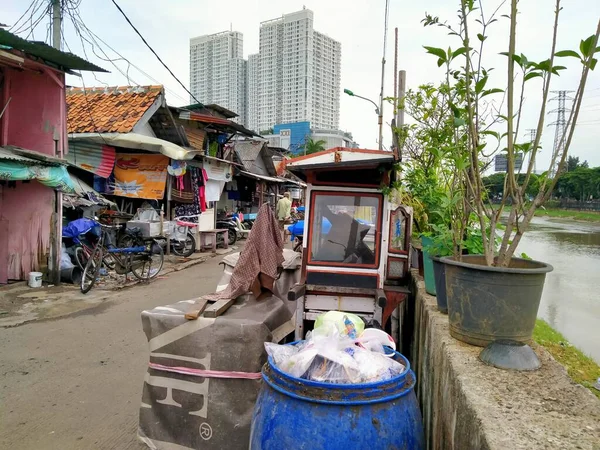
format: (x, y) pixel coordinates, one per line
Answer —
(36, 113)
(28, 227)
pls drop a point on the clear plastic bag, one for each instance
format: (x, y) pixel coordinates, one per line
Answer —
(376, 366)
(330, 357)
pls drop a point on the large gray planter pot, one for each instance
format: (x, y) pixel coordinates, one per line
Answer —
(491, 303)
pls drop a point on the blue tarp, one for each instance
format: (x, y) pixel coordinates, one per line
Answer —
(297, 228)
(79, 227)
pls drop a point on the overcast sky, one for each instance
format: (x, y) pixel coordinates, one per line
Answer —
(357, 24)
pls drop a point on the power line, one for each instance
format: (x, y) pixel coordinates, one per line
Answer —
(152, 50)
(75, 16)
(31, 5)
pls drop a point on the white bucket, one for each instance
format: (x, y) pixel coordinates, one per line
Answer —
(35, 279)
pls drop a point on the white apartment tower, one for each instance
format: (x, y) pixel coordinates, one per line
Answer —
(295, 77)
(218, 71)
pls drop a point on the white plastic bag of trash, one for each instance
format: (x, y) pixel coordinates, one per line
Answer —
(330, 357)
(65, 259)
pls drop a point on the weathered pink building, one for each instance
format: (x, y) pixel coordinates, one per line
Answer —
(33, 143)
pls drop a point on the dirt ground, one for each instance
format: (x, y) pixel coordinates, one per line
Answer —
(75, 382)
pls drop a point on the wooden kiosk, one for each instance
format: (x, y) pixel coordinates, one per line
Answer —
(356, 247)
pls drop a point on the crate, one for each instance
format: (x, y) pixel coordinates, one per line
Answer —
(148, 228)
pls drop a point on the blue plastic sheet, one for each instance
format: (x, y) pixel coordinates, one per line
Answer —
(79, 227)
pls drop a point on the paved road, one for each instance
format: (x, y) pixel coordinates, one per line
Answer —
(76, 382)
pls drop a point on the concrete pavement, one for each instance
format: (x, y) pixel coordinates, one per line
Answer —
(76, 382)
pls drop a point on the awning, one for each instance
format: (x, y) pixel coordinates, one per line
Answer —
(15, 167)
(262, 177)
(98, 159)
(139, 142)
(297, 183)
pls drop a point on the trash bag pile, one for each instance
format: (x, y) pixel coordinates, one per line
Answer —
(339, 350)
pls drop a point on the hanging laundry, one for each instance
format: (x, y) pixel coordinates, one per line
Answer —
(202, 190)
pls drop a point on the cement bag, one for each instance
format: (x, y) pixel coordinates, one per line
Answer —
(181, 411)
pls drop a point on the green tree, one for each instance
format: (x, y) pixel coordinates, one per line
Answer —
(312, 146)
(573, 163)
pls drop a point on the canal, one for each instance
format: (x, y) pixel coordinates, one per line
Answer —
(571, 299)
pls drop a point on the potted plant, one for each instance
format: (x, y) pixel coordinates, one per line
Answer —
(495, 295)
(429, 174)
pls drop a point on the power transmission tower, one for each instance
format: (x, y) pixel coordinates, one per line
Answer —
(561, 127)
(532, 133)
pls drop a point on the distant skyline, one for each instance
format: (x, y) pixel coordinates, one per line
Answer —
(359, 28)
(294, 77)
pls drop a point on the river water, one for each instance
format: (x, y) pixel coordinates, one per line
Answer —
(571, 298)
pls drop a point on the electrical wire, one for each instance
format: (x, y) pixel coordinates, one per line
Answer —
(94, 36)
(155, 54)
(31, 5)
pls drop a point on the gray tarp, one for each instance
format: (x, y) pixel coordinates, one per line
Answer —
(188, 412)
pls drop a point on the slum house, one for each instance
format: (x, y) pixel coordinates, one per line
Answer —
(33, 145)
(137, 149)
(208, 127)
(256, 179)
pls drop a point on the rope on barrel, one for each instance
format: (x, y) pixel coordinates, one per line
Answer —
(206, 373)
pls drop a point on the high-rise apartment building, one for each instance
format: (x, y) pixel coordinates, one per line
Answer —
(295, 77)
(218, 71)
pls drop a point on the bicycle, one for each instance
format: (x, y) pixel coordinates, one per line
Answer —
(144, 261)
(84, 249)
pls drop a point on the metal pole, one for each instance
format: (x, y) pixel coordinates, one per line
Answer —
(396, 66)
(56, 24)
(58, 203)
(380, 118)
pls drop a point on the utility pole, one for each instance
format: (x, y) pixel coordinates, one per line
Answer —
(56, 23)
(561, 127)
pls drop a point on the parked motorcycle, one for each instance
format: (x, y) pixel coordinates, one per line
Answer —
(229, 224)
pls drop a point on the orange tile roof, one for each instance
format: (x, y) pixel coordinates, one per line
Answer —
(108, 109)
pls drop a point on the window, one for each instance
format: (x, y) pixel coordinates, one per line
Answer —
(349, 231)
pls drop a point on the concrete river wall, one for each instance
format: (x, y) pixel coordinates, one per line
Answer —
(469, 405)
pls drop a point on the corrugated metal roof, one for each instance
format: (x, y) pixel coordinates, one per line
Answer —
(7, 154)
(263, 177)
(203, 118)
(56, 58)
(248, 151)
(91, 156)
(195, 136)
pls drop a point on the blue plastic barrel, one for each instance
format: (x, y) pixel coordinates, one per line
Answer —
(293, 413)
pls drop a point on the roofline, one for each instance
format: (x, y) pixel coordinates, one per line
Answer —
(337, 149)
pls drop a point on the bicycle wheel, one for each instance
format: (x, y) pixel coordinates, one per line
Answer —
(92, 270)
(80, 257)
(148, 264)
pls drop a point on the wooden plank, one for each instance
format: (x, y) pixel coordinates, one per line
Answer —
(283, 330)
(296, 292)
(218, 308)
(200, 307)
